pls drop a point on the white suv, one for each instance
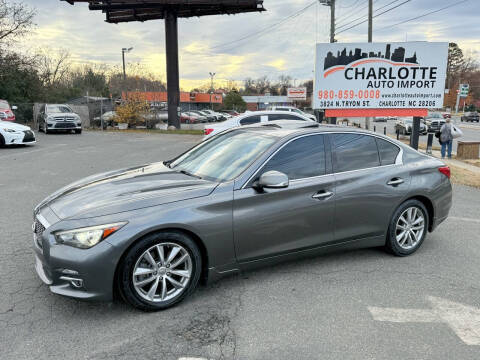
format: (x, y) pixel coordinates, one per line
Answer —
(58, 117)
(292, 109)
(253, 117)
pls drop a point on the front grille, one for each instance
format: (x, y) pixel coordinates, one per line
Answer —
(59, 118)
(29, 136)
(65, 125)
(38, 229)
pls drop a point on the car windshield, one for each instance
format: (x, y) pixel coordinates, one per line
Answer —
(59, 109)
(225, 156)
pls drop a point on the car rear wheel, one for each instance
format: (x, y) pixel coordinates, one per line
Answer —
(160, 271)
(408, 228)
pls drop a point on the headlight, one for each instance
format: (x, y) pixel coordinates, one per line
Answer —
(9, 130)
(88, 237)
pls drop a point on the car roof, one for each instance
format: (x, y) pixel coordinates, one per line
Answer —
(285, 128)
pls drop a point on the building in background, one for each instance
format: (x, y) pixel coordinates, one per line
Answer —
(188, 101)
(262, 102)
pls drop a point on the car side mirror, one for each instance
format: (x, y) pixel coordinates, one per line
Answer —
(273, 180)
(14, 107)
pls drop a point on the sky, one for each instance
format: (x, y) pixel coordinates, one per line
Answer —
(210, 44)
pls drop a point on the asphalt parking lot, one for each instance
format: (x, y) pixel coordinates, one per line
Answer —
(362, 304)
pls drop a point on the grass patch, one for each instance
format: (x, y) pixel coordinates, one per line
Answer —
(464, 177)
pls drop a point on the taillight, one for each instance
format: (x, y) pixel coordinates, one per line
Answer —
(207, 131)
(445, 170)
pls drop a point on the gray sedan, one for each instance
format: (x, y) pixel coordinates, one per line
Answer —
(249, 196)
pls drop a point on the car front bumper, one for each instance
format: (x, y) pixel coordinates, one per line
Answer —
(86, 274)
(20, 138)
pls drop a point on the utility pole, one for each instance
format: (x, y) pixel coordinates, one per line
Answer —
(370, 21)
(333, 120)
(125, 50)
(212, 74)
(370, 39)
(332, 21)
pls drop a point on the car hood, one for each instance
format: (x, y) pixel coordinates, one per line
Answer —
(63, 115)
(13, 126)
(125, 190)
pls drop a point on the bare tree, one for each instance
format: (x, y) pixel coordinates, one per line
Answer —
(53, 66)
(16, 20)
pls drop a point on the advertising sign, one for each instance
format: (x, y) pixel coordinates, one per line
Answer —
(407, 75)
(297, 93)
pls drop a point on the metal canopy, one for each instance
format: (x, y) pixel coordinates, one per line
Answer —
(118, 11)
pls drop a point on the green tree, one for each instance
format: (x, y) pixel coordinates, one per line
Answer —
(234, 101)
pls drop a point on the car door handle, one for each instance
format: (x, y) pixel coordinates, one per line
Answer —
(395, 182)
(322, 195)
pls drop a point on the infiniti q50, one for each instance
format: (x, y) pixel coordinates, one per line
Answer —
(249, 196)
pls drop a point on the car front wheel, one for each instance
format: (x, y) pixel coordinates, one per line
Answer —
(408, 228)
(160, 271)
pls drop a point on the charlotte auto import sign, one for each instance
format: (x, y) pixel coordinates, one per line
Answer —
(297, 93)
(407, 75)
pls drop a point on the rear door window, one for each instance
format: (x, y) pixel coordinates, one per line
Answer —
(388, 152)
(354, 152)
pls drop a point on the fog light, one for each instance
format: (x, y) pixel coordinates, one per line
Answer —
(76, 283)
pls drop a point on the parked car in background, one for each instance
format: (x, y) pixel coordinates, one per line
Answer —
(380, 119)
(15, 134)
(231, 112)
(58, 117)
(254, 117)
(405, 126)
(208, 116)
(108, 119)
(292, 109)
(218, 116)
(196, 117)
(471, 117)
(189, 119)
(251, 196)
(6, 113)
(446, 115)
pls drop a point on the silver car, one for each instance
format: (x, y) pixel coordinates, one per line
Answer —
(58, 117)
(250, 196)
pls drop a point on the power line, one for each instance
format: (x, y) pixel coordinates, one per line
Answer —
(257, 33)
(377, 15)
(355, 11)
(349, 6)
(362, 17)
(423, 15)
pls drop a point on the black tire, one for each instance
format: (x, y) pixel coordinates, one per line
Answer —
(78, 131)
(126, 267)
(2, 141)
(392, 244)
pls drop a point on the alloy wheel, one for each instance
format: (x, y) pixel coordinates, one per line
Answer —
(162, 272)
(410, 228)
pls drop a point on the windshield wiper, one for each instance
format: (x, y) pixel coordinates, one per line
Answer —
(189, 174)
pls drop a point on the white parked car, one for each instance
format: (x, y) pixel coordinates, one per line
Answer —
(253, 118)
(294, 110)
(16, 134)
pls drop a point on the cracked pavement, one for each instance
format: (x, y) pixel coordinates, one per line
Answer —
(313, 308)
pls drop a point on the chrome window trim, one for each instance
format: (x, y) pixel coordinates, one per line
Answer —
(398, 160)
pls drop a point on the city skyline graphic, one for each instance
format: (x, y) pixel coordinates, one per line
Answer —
(342, 58)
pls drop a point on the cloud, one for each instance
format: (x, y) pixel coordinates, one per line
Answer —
(212, 43)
